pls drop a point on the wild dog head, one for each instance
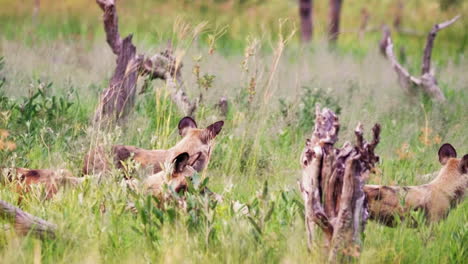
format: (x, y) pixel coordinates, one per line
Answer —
(448, 158)
(175, 176)
(197, 142)
(453, 175)
(50, 179)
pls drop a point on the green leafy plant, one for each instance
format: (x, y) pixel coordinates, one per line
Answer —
(260, 211)
(309, 99)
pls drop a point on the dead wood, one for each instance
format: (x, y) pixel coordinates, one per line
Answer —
(26, 223)
(334, 20)
(397, 20)
(430, 43)
(332, 184)
(223, 106)
(365, 15)
(117, 100)
(384, 41)
(305, 14)
(36, 9)
(427, 82)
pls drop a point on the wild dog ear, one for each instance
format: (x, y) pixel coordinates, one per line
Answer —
(446, 152)
(185, 123)
(180, 162)
(213, 130)
(464, 164)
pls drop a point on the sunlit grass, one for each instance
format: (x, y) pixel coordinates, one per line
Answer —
(263, 135)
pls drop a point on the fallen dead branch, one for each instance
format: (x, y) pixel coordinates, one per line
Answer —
(383, 43)
(119, 97)
(332, 185)
(427, 82)
(26, 223)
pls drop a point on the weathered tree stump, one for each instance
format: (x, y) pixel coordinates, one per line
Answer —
(332, 185)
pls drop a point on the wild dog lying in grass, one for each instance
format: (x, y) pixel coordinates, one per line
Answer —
(169, 184)
(197, 143)
(52, 180)
(435, 199)
(175, 176)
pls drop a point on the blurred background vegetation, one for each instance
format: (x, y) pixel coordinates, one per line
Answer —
(151, 21)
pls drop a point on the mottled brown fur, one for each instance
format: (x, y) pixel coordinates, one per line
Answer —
(196, 142)
(435, 199)
(175, 178)
(52, 180)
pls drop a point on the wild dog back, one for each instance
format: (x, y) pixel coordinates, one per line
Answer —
(435, 199)
(198, 143)
(51, 179)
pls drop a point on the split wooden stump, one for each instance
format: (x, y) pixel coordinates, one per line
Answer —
(332, 185)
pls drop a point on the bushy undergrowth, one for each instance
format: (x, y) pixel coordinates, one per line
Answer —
(40, 122)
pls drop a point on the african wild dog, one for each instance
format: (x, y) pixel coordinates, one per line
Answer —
(197, 143)
(175, 177)
(435, 199)
(52, 180)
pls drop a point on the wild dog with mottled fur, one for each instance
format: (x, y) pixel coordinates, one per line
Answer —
(435, 199)
(197, 143)
(51, 179)
(175, 177)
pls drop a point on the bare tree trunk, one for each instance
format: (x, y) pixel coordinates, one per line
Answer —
(384, 41)
(25, 223)
(427, 82)
(334, 26)
(223, 106)
(305, 13)
(332, 185)
(397, 20)
(37, 7)
(364, 22)
(117, 100)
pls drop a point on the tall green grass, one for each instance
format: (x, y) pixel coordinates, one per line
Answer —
(272, 93)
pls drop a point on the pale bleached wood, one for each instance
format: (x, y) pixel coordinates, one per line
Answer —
(118, 99)
(427, 82)
(332, 185)
(25, 223)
